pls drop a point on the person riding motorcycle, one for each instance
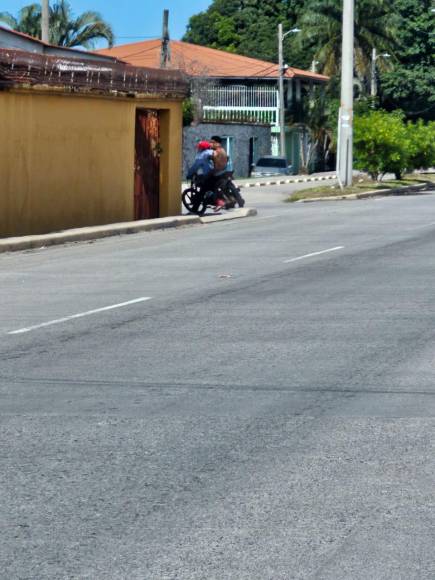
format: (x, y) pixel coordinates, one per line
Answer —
(204, 168)
(220, 157)
(223, 170)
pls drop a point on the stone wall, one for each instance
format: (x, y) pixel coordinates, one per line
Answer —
(240, 135)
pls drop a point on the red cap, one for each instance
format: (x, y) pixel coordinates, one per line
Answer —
(203, 145)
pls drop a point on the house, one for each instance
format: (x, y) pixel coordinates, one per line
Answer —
(20, 41)
(237, 98)
(86, 141)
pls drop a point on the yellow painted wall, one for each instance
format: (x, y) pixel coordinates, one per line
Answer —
(68, 161)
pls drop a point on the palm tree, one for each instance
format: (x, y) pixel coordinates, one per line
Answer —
(318, 118)
(65, 29)
(321, 32)
(28, 20)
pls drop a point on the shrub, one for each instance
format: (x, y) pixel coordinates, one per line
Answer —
(188, 112)
(422, 139)
(382, 144)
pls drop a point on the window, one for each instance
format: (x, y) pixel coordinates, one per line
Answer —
(228, 145)
(277, 162)
(275, 145)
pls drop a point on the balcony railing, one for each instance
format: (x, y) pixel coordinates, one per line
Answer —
(258, 97)
(267, 116)
(240, 103)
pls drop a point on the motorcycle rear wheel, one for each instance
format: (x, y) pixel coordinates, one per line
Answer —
(234, 193)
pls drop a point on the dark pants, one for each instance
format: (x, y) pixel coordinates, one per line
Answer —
(208, 185)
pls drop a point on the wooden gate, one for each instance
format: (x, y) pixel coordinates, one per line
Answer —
(147, 165)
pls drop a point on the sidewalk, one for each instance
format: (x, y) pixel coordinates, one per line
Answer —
(279, 180)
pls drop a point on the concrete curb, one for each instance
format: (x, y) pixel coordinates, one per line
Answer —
(406, 190)
(287, 181)
(98, 232)
(233, 214)
(94, 233)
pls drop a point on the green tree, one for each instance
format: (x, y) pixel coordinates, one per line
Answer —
(382, 144)
(422, 138)
(188, 112)
(65, 28)
(319, 113)
(248, 27)
(321, 33)
(27, 21)
(410, 84)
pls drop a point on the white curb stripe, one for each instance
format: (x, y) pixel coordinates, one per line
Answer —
(81, 315)
(313, 254)
(287, 181)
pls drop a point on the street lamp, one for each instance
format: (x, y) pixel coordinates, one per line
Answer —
(373, 84)
(282, 70)
(314, 64)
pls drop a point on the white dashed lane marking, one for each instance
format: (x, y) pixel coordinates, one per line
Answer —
(80, 315)
(313, 254)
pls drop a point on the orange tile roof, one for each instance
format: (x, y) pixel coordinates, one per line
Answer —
(198, 60)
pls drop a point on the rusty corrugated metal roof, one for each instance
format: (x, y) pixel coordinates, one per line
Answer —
(26, 69)
(14, 40)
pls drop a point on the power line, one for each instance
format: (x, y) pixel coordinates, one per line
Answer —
(142, 37)
(140, 52)
(267, 70)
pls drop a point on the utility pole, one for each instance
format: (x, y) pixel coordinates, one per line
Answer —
(165, 55)
(282, 70)
(45, 22)
(345, 122)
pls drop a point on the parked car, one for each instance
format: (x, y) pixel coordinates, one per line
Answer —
(271, 165)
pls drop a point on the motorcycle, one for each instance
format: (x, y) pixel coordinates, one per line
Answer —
(196, 201)
(230, 192)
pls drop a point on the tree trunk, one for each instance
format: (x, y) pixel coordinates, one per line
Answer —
(302, 151)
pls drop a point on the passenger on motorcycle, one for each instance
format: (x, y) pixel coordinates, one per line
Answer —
(223, 170)
(220, 157)
(204, 168)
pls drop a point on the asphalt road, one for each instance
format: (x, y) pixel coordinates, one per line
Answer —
(258, 404)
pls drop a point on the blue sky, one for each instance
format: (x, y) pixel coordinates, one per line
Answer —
(132, 17)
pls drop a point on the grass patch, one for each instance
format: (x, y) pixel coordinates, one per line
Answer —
(360, 186)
